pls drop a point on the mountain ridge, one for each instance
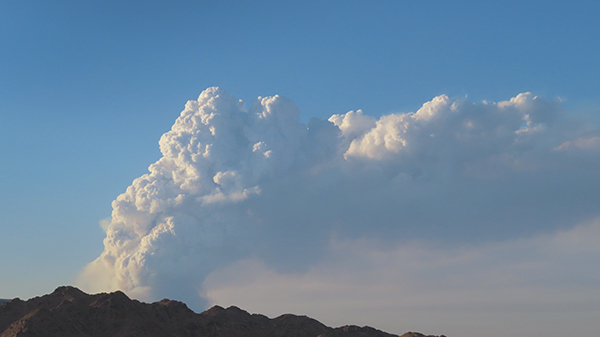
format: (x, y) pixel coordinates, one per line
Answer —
(68, 311)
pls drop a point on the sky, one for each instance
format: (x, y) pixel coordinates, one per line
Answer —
(409, 165)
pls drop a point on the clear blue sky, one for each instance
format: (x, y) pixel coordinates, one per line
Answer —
(87, 88)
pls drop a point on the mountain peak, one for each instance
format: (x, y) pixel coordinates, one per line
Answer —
(418, 334)
(68, 290)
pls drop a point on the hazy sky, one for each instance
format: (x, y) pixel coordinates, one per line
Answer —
(410, 165)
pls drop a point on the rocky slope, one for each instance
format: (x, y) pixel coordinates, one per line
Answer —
(70, 312)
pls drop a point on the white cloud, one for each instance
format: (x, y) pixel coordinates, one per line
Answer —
(591, 143)
(445, 130)
(258, 189)
(353, 124)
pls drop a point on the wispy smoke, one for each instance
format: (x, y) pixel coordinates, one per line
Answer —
(236, 183)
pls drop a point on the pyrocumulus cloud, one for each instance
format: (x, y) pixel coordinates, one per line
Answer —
(237, 184)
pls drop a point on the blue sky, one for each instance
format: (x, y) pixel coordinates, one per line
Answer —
(88, 88)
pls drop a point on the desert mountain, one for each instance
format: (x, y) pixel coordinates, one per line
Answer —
(69, 311)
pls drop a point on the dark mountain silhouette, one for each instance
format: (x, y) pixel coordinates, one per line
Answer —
(3, 300)
(69, 311)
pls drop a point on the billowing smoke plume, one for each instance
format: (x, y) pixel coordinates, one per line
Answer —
(236, 183)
